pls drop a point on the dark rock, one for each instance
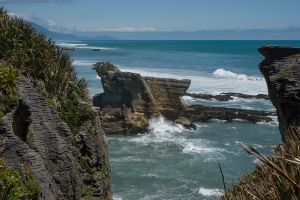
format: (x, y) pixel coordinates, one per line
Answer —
(281, 69)
(93, 157)
(197, 113)
(37, 142)
(227, 96)
(130, 100)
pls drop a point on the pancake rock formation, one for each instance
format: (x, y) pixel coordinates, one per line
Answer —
(129, 100)
(281, 69)
(35, 140)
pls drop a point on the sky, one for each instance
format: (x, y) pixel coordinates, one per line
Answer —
(160, 15)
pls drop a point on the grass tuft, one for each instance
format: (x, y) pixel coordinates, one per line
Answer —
(277, 177)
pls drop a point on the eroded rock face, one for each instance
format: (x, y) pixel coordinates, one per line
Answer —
(36, 142)
(130, 100)
(281, 69)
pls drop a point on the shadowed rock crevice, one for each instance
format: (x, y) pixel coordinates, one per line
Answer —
(21, 121)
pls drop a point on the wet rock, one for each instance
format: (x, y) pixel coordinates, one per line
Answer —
(227, 96)
(199, 113)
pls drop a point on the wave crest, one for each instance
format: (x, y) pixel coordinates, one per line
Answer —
(228, 74)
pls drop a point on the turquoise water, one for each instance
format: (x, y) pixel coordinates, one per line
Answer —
(170, 162)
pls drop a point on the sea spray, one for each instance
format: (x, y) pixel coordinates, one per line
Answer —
(241, 77)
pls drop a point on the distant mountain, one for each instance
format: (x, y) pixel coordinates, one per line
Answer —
(251, 34)
(68, 36)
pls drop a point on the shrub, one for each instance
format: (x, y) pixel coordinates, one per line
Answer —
(46, 65)
(8, 79)
(14, 187)
(8, 86)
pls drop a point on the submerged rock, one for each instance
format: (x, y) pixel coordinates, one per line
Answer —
(129, 100)
(281, 69)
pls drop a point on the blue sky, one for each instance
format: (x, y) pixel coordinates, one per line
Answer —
(160, 15)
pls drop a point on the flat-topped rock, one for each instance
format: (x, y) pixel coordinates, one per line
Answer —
(130, 100)
(281, 69)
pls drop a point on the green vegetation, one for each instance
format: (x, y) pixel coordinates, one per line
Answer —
(14, 187)
(278, 177)
(47, 66)
(8, 86)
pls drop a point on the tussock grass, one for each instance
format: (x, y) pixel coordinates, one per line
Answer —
(277, 177)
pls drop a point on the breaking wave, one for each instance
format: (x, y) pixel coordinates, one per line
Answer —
(164, 131)
(80, 46)
(228, 74)
(208, 83)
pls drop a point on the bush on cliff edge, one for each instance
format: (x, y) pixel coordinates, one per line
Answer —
(49, 68)
(8, 85)
(14, 187)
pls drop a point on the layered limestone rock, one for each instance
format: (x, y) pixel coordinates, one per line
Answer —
(281, 69)
(37, 143)
(129, 100)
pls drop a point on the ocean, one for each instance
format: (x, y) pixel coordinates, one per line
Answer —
(170, 162)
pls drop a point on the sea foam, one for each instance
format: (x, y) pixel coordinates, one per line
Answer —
(81, 46)
(209, 83)
(210, 192)
(164, 131)
(228, 74)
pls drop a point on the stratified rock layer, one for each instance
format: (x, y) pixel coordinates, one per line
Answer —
(37, 142)
(130, 100)
(281, 69)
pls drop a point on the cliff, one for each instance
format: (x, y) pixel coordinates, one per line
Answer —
(36, 142)
(130, 100)
(281, 69)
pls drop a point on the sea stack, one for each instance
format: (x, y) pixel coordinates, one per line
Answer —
(130, 100)
(281, 69)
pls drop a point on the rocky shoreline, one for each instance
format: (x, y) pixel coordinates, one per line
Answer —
(130, 100)
(227, 96)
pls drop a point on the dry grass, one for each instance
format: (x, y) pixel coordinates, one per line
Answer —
(278, 177)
